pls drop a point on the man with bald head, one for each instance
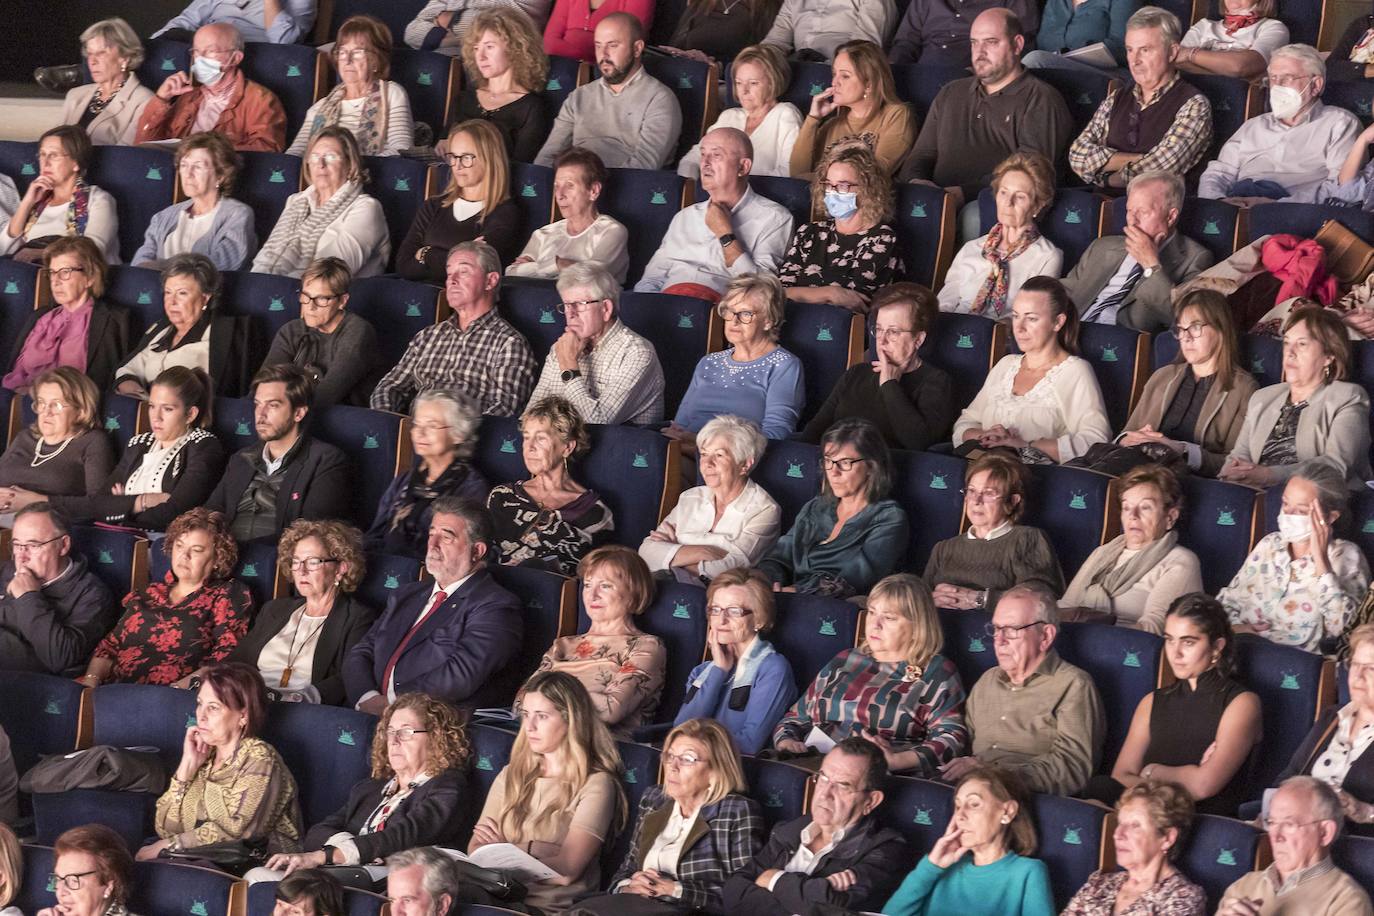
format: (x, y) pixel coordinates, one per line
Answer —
(734, 232)
(937, 32)
(215, 95)
(626, 117)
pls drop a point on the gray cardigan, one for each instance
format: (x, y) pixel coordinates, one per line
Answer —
(230, 243)
(1334, 425)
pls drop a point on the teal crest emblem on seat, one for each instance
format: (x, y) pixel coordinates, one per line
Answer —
(1073, 836)
(1226, 517)
(370, 441)
(1109, 353)
(823, 333)
(965, 342)
(794, 469)
(827, 627)
(412, 309)
(1078, 500)
(641, 460)
(11, 288)
(292, 70)
(402, 184)
(250, 570)
(685, 322)
(153, 174)
(976, 644)
(112, 424)
(424, 78)
(391, 581)
(277, 177)
(1289, 682)
(1226, 857)
(918, 211)
(242, 429)
(347, 738)
(145, 297)
(681, 611)
(546, 315)
(1211, 228)
(658, 198)
(922, 817)
(1130, 658)
(276, 305)
(508, 446)
(937, 482)
(1073, 217)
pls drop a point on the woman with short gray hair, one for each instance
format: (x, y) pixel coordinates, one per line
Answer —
(443, 433)
(730, 522)
(109, 105)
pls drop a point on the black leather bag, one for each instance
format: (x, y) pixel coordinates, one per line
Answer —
(234, 856)
(496, 883)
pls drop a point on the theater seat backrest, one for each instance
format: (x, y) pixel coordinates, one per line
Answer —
(926, 231)
(1073, 840)
(141, 182)
(118, 558)
(966, 347)
(1074, 506)
(918, 809)
(790, 472)
(1218, 850)
(682, 330)
(36, 888)
(645, 201)
(377, 445)
(41, 715)
(810, 630)
(967, 643)
(929, 487)
(327, 748)
(828, 340)
(1220, 522)
(163, 889)
(19, 160)
(636, 472)
(1293, 687)
(140, 715)
(550, 607)
(782, 790)
(264, 183)
(1124, 664)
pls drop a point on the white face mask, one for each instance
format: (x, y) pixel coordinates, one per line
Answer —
(1285, 101)
(1294, 529)
(206, 70)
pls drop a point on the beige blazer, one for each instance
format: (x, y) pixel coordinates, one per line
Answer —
(118, 122)
(1218, 424)
(1334, 425)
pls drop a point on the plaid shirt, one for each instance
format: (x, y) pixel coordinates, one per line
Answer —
(621, 381)
(734, 833)
(1178, 150)
(490, 361)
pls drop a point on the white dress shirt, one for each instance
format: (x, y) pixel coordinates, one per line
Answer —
(773, 140)
(746, 531)
(803, 861)
(1264, 37)
(969, 269)
(691, 253)
(1304, 157)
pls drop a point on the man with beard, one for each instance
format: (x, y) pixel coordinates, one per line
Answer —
(976, 122)
(627, 117)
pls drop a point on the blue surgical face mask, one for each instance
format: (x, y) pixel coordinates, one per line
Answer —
(206, 70)
(841, 206)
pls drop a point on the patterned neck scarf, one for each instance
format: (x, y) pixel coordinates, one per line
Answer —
(1235, 23)
(992, 295)
(371, 130)
(78, 211)
(291, 247)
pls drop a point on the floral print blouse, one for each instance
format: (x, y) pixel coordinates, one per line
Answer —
(1174, 896)
(821, 255)
(554, 539)
(623, 674)
(158, 642)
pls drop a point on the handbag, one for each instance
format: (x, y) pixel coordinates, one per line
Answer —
(1114, 460)
(235, 856)
(496, 883)
(1349, 258)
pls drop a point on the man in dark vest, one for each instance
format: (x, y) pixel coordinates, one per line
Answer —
(1161, 123)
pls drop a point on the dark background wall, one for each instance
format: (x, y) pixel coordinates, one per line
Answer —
(40, 32)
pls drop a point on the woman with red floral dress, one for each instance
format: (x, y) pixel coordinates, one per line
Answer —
(193, 618)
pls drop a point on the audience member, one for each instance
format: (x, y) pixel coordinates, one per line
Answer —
(549, 521)
(837, 855)
(756, 379)
(759, 74)
(230, 784)
(728, 522)
(1301, 585)
(507, 70)
(475, 350)
(939, 34)
(443, 24)
(281, 22)
(746, 685)
(1354, 185)
(982, 863)
(1200, 730)
(208, 222)
(423, 881)
(989, 271)
(337, 348)
(607, 372)
(819, 29)
(1152, 821)
(691, 834)
(9, 198)
(1045, 402)
(1239, 43)
(92, 873)
(310, 890)
(909, 400)
(298, 644)
(253, 494)
(1159, 123)
(375, 109)
(977, 122)
(712, 30)
(734, 232)
(861, 108)
(165, 471)
(620, 665)
(453, 640)
(1129, 279)
(109, 105)
(895, 690)
(971, 571)
(851, 535)
(1303, 823)
(54, 609)
(192, 618)
(1312, 413)
(1034, 715)
(1067, 26)
(59, 202)
(626, 117)
(11, 860)
(79, 329)
(475, 207)
(559, 797)
(194, 333)
(65, 452)
(1352, 59)
(1195, 406)
(1137, 576)
(572, 24)
(214, 94)
(583, 235)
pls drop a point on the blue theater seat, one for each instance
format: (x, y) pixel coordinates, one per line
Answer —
(264, 183)
(1125, 665)
(809, 78)
(361, 903)
(1220, 522)
(267, 301)
(295, 73)
(782, 790)
(1263, 358)
(1074, 505)
(550, 605)
(162, 57)
(792, 193)
(35, 889)
(929, 487)
(682, 330)
(327, 748)
(1083, 91)
(400, 186)
(565, 75)
(491, 749)
(169, 889)
(918, 809)
(377, 445)
(123, 417)
(431, 81)
(967, 643)
(119, 558)
(498, 453)
(645, 201)
(1071, 223)
(790, 472)
(1120, 358)
(385, 574)
(694, 83)
(396, 14)
(810, 630)
(41, 715)
(926, 230)
(1218, 850)
(1305, 220)
(1355, 96)
(967, 347)
(398, 309)
(1356, 856)
(19, 160)
(18, 297)
(828, 340)
(256, 568)
(142, 183)
(1073, 839)
(1213, 224)
(532, 308)
(1293, 687)
(233, 423)
(919, 84)
(138, 289)
(1361, 529)
(531, 189)
(1234, 101)
(642, 765)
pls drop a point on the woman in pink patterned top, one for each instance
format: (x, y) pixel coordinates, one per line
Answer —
(193, 618)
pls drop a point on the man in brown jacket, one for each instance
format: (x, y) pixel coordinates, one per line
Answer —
(220, 98)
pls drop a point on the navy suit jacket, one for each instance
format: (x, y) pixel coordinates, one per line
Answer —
(462, 653)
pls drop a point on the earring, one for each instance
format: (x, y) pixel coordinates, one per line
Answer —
(1006, 820)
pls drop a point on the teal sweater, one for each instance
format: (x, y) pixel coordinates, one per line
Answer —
(1011, 886)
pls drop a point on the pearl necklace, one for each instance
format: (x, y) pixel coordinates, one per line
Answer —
(40, 459)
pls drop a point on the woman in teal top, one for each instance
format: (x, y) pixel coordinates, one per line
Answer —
(1067, 25)
(980, 866)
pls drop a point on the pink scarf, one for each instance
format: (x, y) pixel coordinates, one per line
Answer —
(57, 339)
(1301, 266)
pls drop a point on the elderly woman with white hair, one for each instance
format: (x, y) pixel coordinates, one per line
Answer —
(443, 432)
(730, 522)
(109, 105)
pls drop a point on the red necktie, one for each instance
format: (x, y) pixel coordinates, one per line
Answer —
(405, 640)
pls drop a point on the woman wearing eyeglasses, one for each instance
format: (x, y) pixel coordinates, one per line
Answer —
(92, 873)
(443, 433)
(298, 644)
(476, 205)
(59, 202)
(332, 217)
(336, 347)
(374, 109)
(208, 222)
(64, 452)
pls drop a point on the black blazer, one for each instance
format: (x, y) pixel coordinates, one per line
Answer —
(316, 484)
(1359, 779)
(348, 620)
(229, 337)
(433, 815)
(107, 341)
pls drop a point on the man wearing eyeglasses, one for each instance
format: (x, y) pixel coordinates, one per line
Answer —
(215, 95)
(1129, 279)
(1034, 714)
(837, 855)
(1303, 822)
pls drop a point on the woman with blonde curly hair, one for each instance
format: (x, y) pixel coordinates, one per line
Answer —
(507, 68)
(194, 617)
(414, 797)
(849, 255)
(559, 797)
(298, 644)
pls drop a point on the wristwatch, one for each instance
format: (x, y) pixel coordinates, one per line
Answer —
(328, 854)
(570, 374)
(1149, 272)
(727, 240)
